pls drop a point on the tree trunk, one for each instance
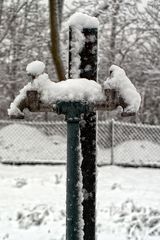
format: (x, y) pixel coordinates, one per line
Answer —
(55, 48)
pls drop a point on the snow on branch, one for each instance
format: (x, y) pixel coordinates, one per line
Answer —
(81, 20)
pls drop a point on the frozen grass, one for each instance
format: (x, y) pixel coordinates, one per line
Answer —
(32, 203)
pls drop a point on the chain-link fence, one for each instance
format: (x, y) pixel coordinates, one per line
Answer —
(45, 142)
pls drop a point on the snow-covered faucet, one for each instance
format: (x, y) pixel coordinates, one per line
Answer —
(121, 91)
(29, 95)
(41, 94)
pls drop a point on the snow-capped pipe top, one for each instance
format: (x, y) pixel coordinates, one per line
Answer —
(81, 20)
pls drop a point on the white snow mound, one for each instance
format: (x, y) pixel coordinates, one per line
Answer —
(68, 90)
(119, 80)
(35, 68)
(138, 153)
(14, 107)
(81, 20)
(132, 152)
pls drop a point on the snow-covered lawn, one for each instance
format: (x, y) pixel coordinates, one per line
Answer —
(32, 203)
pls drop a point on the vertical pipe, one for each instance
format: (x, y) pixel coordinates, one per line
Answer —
(88, 143)
(88, 69)
(73, 198)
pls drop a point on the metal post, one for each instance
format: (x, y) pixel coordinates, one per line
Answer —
(88, 137)
(88, 145)
(73, 197)
(88, 69)
(74, 222)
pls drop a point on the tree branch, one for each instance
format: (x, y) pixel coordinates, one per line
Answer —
(11, 20)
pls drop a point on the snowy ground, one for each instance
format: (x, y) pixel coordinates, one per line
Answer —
(32, 203)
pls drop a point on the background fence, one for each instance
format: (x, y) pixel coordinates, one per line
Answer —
(45, 142)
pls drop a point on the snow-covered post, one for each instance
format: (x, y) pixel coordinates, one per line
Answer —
(74, 220)
(88, 69)
(83, 41)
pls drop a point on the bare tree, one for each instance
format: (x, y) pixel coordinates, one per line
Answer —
(1, 9)
(11, 19)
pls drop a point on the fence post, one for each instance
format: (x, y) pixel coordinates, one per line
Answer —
(112, 141)
(88, 69)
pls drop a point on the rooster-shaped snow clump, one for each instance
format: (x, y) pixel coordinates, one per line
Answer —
(119, 81)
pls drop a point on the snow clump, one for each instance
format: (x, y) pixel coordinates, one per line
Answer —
(81, 20)
(68, 90)
(35, 68)
(14, 109)
(118, 80)
(78, 22)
